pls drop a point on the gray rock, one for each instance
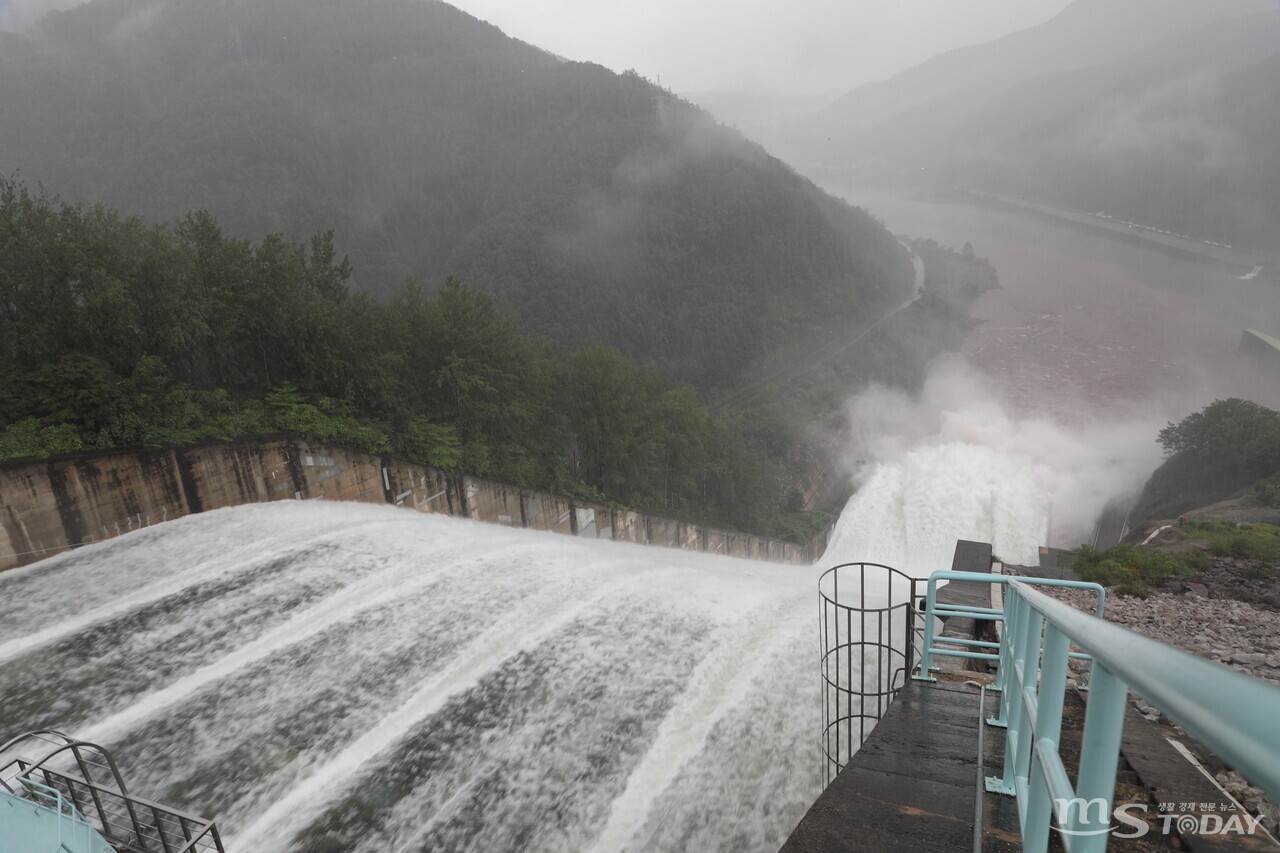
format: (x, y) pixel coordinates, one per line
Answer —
(1249, 658)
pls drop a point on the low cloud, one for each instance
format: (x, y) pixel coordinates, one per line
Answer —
(1164, 122)
(603, 231)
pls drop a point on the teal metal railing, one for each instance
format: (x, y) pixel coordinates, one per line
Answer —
(98, 794)
(1236, 716)
(1232, 714)
(934, 645)
(73, 830)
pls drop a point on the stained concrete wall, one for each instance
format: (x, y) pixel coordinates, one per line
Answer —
(47, 506)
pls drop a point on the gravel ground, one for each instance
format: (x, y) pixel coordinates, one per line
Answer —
(1239, 634)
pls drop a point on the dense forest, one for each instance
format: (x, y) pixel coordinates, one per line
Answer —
(591, 205)
(115, 332)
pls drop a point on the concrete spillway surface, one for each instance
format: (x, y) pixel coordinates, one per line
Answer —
(352, 677)
(340, 676)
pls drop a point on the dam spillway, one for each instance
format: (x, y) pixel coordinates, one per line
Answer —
(354, 677)
(340, 676)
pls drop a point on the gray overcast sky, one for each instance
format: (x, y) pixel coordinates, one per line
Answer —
(821, 47)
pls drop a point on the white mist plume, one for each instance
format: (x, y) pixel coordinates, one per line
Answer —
(603, 231)
(951, 463)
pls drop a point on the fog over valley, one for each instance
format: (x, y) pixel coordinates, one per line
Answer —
(848, 282)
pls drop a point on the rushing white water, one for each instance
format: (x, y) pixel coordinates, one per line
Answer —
(354, 677)
(911, 510)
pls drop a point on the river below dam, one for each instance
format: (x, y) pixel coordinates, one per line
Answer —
(1085, 324)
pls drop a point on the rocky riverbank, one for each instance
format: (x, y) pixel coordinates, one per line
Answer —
(1250, 581)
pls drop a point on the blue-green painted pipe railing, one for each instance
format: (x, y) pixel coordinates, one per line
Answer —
(1232, 714)
(46, 820)
(933, 609)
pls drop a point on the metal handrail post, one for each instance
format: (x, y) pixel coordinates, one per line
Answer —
(1025, 667)
(1099, 752)
(909, 613)
(160, 831)
(1022, 717)
(1048, 733)
(84, 772)
(1011, 696)
(926, 654)
(52, 795)
(1021, 714)
(1241, 731)
(934, 610)
(1011, 607)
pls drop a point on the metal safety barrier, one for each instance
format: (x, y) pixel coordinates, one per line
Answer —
(73, 828)
(84, 776)
(933, 644)
(868, 622)
(1232, 714)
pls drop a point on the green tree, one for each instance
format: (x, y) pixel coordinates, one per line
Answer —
(1235, 434)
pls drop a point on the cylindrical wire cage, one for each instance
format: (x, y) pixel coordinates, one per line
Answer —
(868, 623)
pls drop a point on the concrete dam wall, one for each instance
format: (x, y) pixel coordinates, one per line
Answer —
(48, 506)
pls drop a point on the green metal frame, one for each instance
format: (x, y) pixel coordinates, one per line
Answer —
(46, 820)
(930, 647)
(1232, 714)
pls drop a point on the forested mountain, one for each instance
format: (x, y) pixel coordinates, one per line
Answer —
(595, 206)
(1161, 112)
(118, 333)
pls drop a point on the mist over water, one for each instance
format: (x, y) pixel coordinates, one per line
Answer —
(1089, 347)
(953, 462)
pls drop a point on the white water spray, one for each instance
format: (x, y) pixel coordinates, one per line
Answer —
(912, 510)
(951, 463)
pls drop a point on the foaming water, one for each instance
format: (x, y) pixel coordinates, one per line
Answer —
(351, 677)
(912, 509)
